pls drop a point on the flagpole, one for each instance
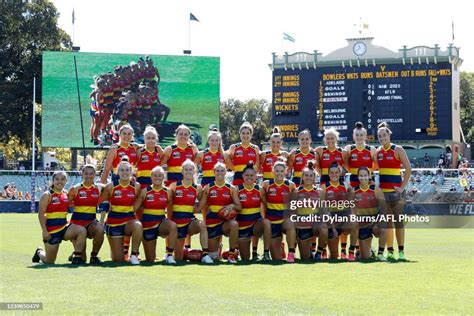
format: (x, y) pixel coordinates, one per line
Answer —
(33, 162)
(189, 33)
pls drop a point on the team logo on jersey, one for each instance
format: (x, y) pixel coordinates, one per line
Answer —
(145, 158)
(191, 195)
(95, 195)
(118, 194)
(189, 156)
(179, 193)
(272, 192)
(366, 157)
(55, 200)
(213, 194)
(226, 194)
(131, 195)
(207, 158)
(157, 158)
(150, 197)
(239, 153)
(256, 197)
(82, 195)
(326, 156)
(243, 197)
(251, 154)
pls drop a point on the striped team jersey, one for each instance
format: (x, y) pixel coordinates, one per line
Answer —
(250, 201)
(117, 90)
(336, 193)
(242, 155)
(278, 197)
(267, 164)
(365, 200)
(326, 159)
(389, 169)
(312, 194)
(209, 160)
(177, 157)
(108, 95)
(301, 159)
(129, 151)
(85, 205)
(147, 161)
(359, 158)
(56, 211)
(184, 199)
(121, 204)
(154, 206)
(217, 198)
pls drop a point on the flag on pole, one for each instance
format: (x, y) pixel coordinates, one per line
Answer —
(73, 16)
(288, 37)
(192, 17)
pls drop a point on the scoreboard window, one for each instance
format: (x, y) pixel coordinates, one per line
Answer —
(414, 99)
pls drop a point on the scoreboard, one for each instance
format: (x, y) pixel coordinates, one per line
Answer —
(415, 99)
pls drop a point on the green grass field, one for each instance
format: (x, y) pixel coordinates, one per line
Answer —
(189, 86)
(438, 279)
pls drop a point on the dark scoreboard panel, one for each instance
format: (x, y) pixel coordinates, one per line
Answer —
(414, 99)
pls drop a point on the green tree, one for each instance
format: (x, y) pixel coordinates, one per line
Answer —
(234, 112)
(26, 29)
(467, 105)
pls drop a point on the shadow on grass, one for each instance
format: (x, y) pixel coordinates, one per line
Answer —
(110, 264)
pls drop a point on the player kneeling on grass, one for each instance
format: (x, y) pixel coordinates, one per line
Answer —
(368, 200)
(53, 207)
(277, 193)
(84, 198)
(250, 218)
(121, 220)
(335, 193)
(154, 200)
(307, 230)
(181, 209)
(220, 204)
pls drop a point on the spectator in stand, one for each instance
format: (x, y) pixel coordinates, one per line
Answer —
(427, 160)
(440, 163)
(9, 192)
(449, 158)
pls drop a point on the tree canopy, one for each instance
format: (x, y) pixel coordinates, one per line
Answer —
(26, 29)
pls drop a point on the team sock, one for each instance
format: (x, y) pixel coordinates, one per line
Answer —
(390, 250)
(381, 250)
(343, 247)
(169, 251)
(351, 249)
(401, 248)
(205, 252)
(291, 250)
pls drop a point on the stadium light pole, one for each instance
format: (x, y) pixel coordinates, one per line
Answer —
(76, 49)
(33, 158)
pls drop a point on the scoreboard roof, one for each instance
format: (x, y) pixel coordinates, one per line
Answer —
(415, 90)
